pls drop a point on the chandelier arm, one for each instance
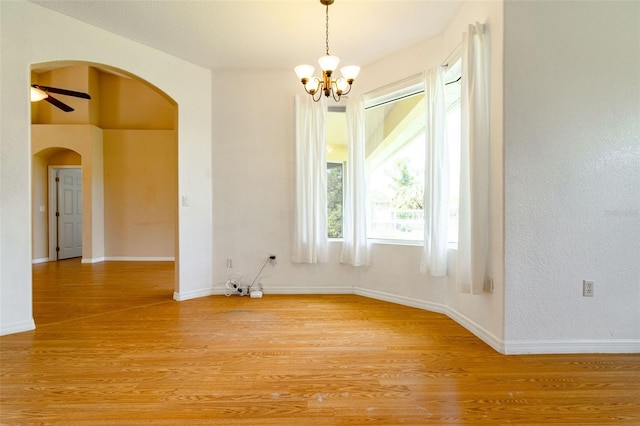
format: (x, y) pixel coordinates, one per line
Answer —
(319, 93)
(335, 92)
(318, 86)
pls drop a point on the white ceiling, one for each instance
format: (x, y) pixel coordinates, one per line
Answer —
(223, 34)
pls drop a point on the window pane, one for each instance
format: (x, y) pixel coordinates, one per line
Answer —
(336, 158)
(395, 158)
(334, 200)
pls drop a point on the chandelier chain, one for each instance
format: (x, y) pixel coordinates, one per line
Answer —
(327, 29)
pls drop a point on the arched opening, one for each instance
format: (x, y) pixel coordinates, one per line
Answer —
(50, 196)
(125, 139)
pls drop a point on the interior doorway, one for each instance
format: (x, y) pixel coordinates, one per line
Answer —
(65, 214)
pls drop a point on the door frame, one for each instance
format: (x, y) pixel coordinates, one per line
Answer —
(53, 201)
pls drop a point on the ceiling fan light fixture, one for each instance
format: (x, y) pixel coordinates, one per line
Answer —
(38, 94)
(328, 64)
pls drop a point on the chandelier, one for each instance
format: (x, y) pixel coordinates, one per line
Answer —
(330, 87)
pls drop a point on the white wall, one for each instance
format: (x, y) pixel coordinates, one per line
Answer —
(572, 184)
(26, 39)
(253, 185)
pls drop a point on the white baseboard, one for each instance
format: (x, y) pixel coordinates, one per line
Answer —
(40, 260)
(128, 259)
(182, 296)
(92, 260)
(400, 300)
(293, 290)
(479, 331)
(17, 327)
(306, 290)
(139, 259)
(620, 346)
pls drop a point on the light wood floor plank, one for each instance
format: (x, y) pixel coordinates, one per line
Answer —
(112, 348)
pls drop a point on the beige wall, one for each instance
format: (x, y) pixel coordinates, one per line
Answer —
(130, 104)
(140, 175)
(129, 174)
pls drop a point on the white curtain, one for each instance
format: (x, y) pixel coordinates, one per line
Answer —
(473, 238)
(436, 182)
(310, 243)
(355, 250)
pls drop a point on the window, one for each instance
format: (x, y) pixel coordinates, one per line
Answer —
(334, 199)
(395, 152)
(336, 158)
(395, 161)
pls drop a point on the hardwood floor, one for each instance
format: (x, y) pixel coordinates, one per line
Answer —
(112, 348)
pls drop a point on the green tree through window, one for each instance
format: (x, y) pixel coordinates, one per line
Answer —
(408, 190)
(334, 200)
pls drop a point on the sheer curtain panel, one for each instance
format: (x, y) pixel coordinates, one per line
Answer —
(436, 188)
(310, 233)
(473, 238)
(355, 249)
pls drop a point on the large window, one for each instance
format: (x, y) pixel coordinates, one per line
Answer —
(395, 160)
(336, 158)
(395, 152)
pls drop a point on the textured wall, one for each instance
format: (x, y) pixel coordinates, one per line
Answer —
(572, 173)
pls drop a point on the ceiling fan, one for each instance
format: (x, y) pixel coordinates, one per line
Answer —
(39, 93)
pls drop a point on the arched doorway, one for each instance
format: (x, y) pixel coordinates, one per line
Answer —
(126, 137)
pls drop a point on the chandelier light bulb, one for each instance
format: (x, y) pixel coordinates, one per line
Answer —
(304, 71)
(342, 85)
(350, 72)
(311, 86)
(328, 63)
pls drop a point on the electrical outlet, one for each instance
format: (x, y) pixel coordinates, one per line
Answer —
(587, 288)
(229, 263)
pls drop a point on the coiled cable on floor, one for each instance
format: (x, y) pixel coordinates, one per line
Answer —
(232, 286)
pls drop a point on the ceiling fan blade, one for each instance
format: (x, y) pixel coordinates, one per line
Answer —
(61, 105)
(62, 91)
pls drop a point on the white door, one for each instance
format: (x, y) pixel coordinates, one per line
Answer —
(69, 213)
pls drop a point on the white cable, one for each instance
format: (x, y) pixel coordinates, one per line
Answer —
(258, 275)
(233, 283)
